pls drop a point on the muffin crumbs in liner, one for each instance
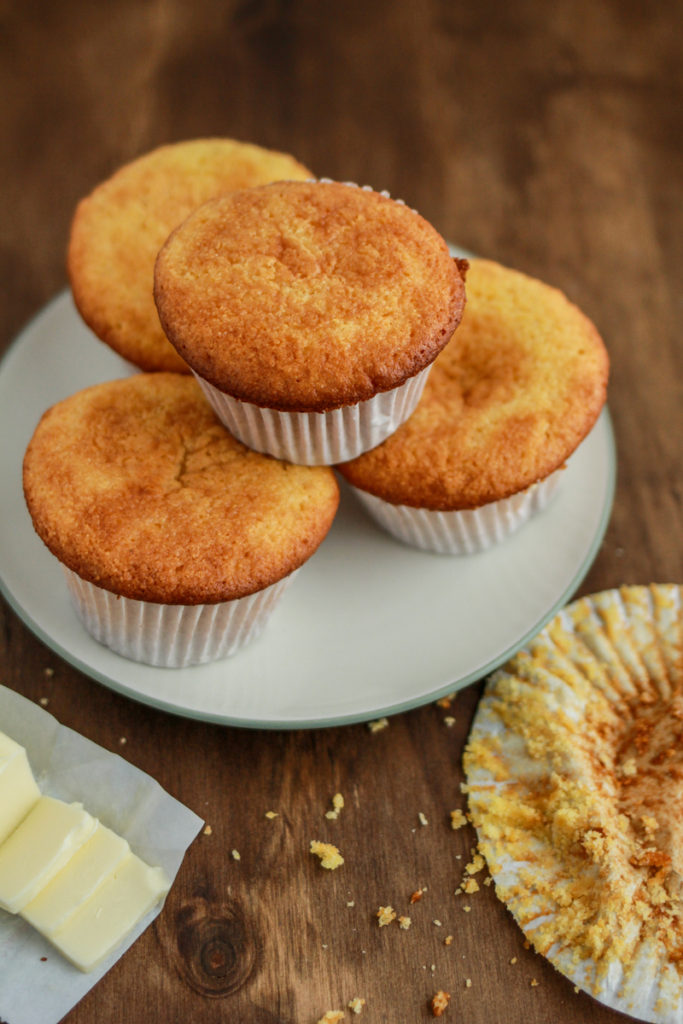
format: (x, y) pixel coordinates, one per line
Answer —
(172, 635)
(574, 770)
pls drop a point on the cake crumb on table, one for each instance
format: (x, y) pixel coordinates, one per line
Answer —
(332, 1017)
(449, 721)
(356, 1005)
(422, 819)
(271, 814)
(378, 724)
(458, 819)
(404, 922)
(439, 1002)
(448, 940)
(417, 895)
(208, 830)
(385, 915)
(330, 856)
(236, 855)
(476, 865)
(337, 804)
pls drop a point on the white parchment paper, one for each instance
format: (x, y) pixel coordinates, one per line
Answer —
(159, 829)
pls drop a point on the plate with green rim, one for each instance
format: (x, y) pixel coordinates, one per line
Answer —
(369, 627)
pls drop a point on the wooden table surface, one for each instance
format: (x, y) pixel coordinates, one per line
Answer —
(545, 136)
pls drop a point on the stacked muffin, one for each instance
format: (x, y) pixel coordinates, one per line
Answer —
(311, 313)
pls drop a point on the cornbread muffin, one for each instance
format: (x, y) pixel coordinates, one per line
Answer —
(143, 495)
(508, 401)
(308, 299)
(119, 228)
(574, 771)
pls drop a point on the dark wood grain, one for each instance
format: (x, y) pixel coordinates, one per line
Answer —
(548, 137)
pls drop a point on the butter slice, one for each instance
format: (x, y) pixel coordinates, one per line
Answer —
(77, 881)
(39, 847)
(109, 915)
(18, 789)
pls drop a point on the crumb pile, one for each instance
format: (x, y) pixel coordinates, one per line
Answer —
(575, 777)
(329, 855)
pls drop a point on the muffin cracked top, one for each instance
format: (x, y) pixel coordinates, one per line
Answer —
(307, 296)
(136, 487)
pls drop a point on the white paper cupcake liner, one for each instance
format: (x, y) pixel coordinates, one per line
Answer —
(170, 635)
(463, 532)
(318, 438)
(574, 772)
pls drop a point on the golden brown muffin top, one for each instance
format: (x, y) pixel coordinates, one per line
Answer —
(307, 296)
(506, 403)
(119, 228)
(136, 486)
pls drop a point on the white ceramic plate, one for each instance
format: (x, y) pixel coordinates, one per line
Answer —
(368, 628)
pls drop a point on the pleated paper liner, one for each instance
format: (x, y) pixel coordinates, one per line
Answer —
(574, 771)
(463, 531)
(172, 635)
(318, 438)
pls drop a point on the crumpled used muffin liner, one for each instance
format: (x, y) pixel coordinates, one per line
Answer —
(574, 770)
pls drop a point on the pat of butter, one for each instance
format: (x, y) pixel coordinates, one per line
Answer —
(18, 789)
(77, 881)
(38, 848)
(109, 915)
